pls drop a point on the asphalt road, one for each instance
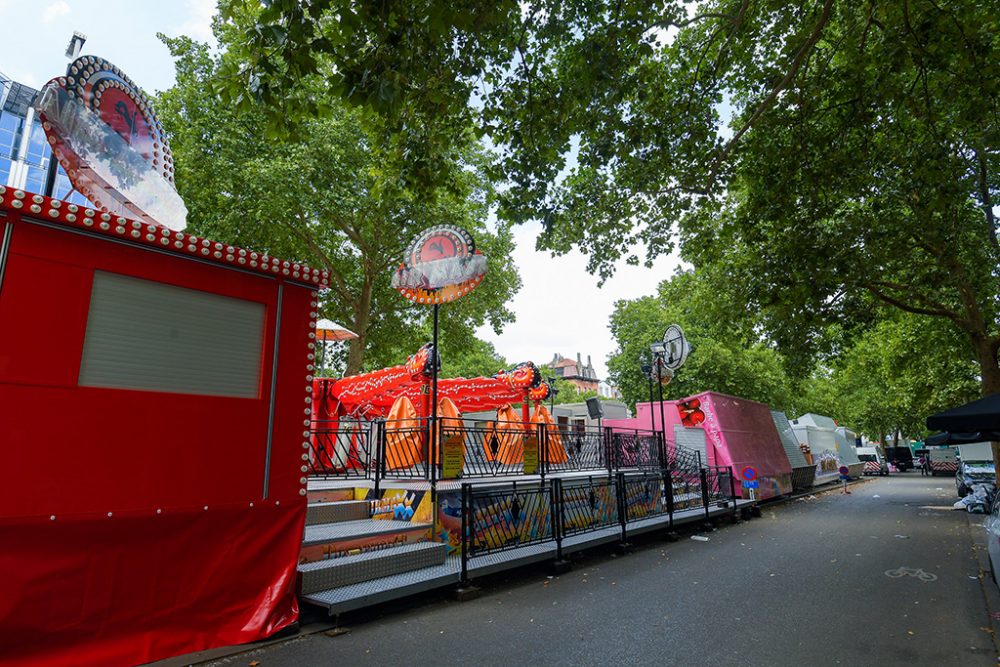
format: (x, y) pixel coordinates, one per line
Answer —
(806, 584)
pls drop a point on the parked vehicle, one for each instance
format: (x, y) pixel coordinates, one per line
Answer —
(942, 461)
(993, 535)
(975, 467)
(971, 473)
(873, 461)
(901, 457)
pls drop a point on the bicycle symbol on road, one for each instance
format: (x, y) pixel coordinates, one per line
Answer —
(917, 572)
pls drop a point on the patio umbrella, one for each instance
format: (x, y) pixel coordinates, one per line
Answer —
(981, 415)
(328, 330)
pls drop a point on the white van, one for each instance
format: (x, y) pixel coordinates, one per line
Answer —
(873, 461)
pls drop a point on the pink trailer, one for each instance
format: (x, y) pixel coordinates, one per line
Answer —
(737, 433)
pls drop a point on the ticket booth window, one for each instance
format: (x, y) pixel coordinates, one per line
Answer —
(149, 336)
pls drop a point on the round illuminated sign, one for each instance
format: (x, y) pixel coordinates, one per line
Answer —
(105, 135)
(441, 264)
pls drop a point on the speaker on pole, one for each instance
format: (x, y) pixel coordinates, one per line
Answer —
(594, 408)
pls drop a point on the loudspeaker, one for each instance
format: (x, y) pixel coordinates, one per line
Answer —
(594, 408)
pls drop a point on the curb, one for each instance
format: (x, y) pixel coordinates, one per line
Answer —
(990, 590)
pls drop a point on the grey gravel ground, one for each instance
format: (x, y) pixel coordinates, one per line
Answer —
(806, 584)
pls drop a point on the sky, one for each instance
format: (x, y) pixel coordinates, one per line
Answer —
(560, 309)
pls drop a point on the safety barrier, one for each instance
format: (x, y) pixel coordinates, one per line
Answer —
(512, 515)
(450, 448)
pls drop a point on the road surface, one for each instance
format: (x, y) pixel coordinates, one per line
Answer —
(885, 576)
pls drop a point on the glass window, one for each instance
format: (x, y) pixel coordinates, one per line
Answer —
(35, 180)
(10, 129)
(38, 148)
(149, 336)
(4, 171)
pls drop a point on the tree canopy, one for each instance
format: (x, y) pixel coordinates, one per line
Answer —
(725, 357)
(330, 193)
(824, 154)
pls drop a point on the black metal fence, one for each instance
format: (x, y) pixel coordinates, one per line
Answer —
(505, 518)
(340, 448)
(512, 515)
(467, 449)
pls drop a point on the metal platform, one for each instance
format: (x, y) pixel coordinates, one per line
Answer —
(385, 589)
(336, 511)
(338, 572)
(346, 530)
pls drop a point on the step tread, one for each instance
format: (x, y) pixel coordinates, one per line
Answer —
(387, 552)
(324, 532)
(341, 503)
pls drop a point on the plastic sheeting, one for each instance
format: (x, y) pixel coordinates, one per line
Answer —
(104, 166)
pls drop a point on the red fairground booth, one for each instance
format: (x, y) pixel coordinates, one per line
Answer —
(155, 397)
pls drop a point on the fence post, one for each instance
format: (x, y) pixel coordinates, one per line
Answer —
(379, 431)
(466, 511)
(609, 449)
(622, 507)
(668, 488)
(555, 501)
(732, 488)
(704, 490)
(543, 450)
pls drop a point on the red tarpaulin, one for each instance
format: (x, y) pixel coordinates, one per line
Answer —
(139, 524)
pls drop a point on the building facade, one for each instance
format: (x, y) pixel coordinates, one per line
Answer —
(24, 151)
(583, 377)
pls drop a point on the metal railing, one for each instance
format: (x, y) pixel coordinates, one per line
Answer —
(505, 518)
(467, 449)
(587, 504)
(340, 448)
(512, 515)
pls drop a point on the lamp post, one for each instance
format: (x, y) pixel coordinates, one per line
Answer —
(659, 357)
(647, 370)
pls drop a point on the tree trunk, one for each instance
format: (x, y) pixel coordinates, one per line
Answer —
(362, 319)
(989, 369)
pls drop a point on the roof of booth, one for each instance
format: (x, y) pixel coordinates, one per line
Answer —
(179, 243)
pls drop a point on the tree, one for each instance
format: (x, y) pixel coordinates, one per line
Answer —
(725, 357)
(331, 195)
(828, 152)
(877, 387)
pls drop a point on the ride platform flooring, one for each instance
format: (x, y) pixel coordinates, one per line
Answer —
(396, 586)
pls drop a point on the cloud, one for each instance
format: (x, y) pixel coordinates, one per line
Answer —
(561, 310)
(56, 11)
(199, 22)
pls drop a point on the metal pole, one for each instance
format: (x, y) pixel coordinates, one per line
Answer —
(555, 491)
(543, 449)
(434, 399)
(652, 415)
(663, 420)
(704, 490)
(466, 509)
(435, 357)
(668, 486)
(622, 507)
(50, 176)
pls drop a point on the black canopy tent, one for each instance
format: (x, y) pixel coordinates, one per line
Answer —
(982, 415)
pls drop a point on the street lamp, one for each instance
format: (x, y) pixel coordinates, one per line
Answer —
(658, 351)
(647, 370)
